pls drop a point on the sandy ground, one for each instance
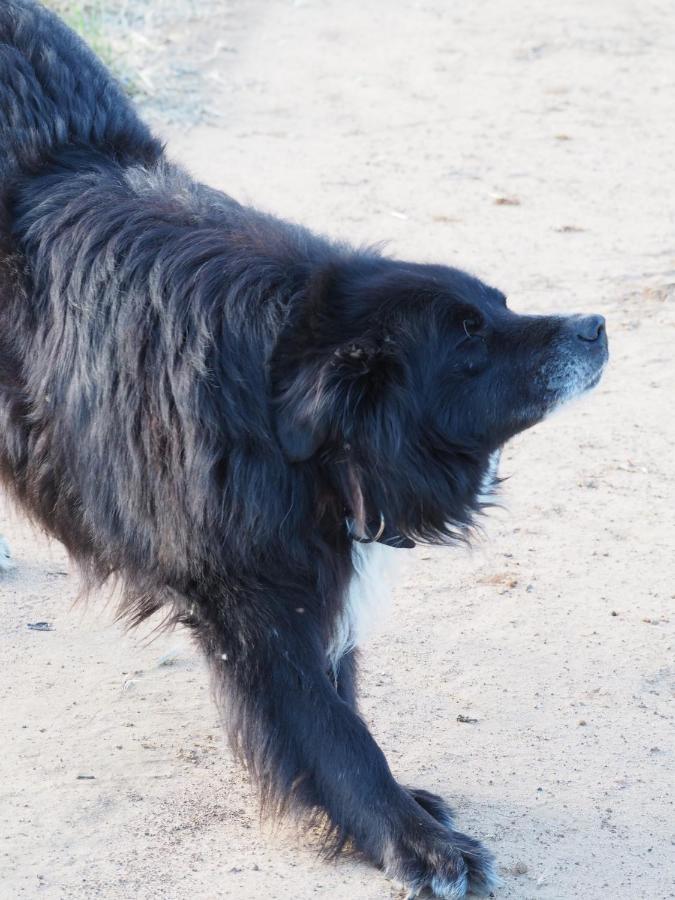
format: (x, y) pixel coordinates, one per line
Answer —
(414, 123)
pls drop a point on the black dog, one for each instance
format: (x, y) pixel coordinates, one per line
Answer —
(222, 410)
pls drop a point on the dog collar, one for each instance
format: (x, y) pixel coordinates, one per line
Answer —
(378, 533)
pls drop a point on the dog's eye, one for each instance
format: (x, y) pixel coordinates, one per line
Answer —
(473, 327)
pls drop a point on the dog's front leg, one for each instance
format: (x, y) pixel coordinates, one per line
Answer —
(344, 674)
(309, 749)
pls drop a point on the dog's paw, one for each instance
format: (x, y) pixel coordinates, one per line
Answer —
(6, 561)
(448, 867)
(434, 805)
(483, 875)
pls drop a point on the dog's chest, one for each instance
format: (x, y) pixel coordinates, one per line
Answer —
(375, 569)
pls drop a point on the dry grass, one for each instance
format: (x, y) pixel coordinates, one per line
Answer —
(103, 25)
(88, 19)
(153, 48)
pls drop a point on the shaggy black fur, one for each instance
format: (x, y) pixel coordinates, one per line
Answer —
(195, 398)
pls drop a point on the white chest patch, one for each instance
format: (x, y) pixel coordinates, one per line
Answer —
(6, 562)
(375, 568)
(486, 492)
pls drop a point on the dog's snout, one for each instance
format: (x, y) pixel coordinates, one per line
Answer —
(590, 328)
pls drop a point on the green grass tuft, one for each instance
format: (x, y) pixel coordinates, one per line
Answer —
(88, 19)
(95, 21)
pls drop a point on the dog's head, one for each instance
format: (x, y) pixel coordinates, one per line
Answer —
(403, 381)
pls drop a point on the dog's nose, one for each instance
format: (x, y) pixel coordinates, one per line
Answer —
(590, 328)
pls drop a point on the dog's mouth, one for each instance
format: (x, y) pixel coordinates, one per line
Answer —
(594, 380)
(572, 365)
(568, 378)
(578, 361)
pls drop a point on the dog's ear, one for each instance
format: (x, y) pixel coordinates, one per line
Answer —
(301, 424)
(299, 441)
(321, 376)
(319, 404)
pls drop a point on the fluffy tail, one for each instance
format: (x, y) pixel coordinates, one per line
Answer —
(54, 91)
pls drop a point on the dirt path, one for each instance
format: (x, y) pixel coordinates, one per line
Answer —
(417, 126)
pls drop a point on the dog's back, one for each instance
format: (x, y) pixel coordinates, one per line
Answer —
(126, 289)
(54, 91)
